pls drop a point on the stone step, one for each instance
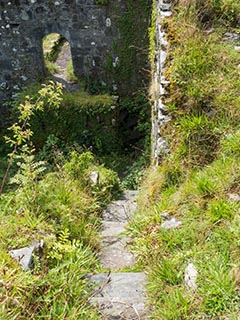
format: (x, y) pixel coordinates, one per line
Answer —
(112, 229)
(115, 254)
(121, 210)
(120, 296)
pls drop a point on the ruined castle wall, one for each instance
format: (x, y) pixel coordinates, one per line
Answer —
(90, 29)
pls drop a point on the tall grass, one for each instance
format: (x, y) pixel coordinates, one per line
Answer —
(198, 182)
(62, 209)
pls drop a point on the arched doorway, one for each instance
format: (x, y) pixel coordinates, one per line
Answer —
(58, 58)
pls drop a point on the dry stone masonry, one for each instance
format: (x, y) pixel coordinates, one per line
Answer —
(160, 116)
(90, 29)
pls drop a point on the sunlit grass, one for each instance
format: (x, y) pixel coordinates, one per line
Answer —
(198, 182)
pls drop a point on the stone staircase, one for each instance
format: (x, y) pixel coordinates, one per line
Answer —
(119, 295)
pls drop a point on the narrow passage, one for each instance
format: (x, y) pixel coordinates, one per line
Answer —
(119, 295)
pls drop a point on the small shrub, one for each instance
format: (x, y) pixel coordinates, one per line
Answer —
(78, 165)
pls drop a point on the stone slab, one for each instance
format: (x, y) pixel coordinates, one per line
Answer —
(23, 256)
(121, 210)
(115, 254)
(112, 229)
(130, 195)
(172, 223)
(120, 296)
(190, 277)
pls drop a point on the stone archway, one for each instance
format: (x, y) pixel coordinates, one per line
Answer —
(58, 57)
(90, 28)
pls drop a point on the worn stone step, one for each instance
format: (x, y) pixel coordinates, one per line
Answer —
(115, 253)
(112, 229)
(121, 210)
(120, 296)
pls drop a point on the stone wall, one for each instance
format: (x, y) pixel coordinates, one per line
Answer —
(90, 29)
(160, 83)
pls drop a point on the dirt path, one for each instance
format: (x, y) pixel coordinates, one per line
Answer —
(62, 61)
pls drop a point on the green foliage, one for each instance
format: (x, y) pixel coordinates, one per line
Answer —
(218, 288)
(83, 119)
(49, 95)
(220, 209)
(197, 59)
(151, 35)
(57, 294)
(231, 144)
(134, 172)
(102, 2)
(214, 10)
(199, 139)
(81, 166)
(166, 271)
(78, 165)
(177, 305)
(70, 72)
(29, 170)
(52, 68)
(62, 208)
(132, 48)
(205, 186)
(38, 210)
(108, 186)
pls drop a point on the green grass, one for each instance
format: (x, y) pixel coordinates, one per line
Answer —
(52, 68)
(63, 209)
(70, 72)
(49, 42)
(194, 184)
(196, 180)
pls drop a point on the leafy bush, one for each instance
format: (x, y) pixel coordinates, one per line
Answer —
(82, 119)
(81, 166)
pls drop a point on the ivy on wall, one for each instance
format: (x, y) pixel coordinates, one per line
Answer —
(102, 2)
(129, 70)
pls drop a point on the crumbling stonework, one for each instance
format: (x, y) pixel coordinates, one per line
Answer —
(160, 116)
(89, 28)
